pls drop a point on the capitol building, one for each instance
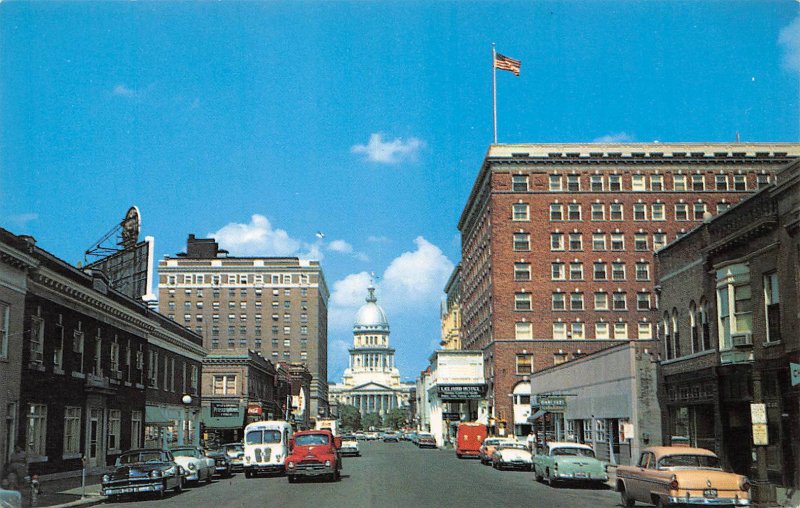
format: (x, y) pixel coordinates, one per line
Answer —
(371, 383)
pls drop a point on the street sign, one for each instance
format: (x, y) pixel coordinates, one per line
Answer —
(552, 402)
(794, 369)
(760, 437)
(758, 414)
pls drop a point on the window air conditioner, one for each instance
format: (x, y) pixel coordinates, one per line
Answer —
(742, 339)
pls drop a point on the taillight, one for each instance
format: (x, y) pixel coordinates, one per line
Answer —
(673, 485)
(744, 485)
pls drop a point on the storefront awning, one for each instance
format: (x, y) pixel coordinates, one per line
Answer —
(154, 415)
(226, 417)
(535, 416)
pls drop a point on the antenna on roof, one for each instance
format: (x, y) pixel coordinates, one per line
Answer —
(738, 139)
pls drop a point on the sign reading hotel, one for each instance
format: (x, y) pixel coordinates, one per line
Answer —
(224, 409)
(461, 392)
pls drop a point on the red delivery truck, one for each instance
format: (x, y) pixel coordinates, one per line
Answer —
(469, 438)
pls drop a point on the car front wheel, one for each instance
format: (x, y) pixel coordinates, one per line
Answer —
(626, 498)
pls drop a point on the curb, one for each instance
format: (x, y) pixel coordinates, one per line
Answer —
(87, 501)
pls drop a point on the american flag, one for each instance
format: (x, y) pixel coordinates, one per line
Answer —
(507, 64)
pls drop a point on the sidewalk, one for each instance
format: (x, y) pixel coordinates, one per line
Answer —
(65, 492)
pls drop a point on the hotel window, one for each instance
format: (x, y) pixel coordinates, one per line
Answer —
(642, 271)
(171, 306)
(36, 430)
(72, 430)
(617, 241)
(620, 330)
(136, 429)
(699, 211)
(762, 180)
(734, 303)
(679, 183)
(559, 331)
(574, 211)
(637, 182)
(519, 183)
(172, 280)
(600, 271)
(556, 212)
(614, 183)
(640, 241)
(598, 242)
(575, 241)
(597, 183)
(58, 346)
(520, 211)
(577, 331)
(522, 301)
(524, 364)
(615, 212)
(642, 301)
(114, 428)
(224, 384)
(739, 182)
(601, 330)
(772, 301)
(576, 271)
(722, 207)
(556, 241)
(523, 331)
(114, 356)
(659, 240)
(598, 211)
(698, 182)
(36, 345)
(557, 271)
(656, 183)
(558, 301)
(721, 182)
(618, 271)
(601, 301)
(681, 211)
(522, 271)
(657, 212)
(303, 330)
(187, 305)
(620, 301)
(639, 211)
(287, 330)
(573, 183)
(522, 241)
(576, 301)
(645, 330)
(555, 182)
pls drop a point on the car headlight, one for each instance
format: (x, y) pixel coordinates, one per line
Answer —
(170, 471)
(327, 463)
(106, 478)
(290, 465)
(278, 457)
(155, 473)
(192, 466)
(247, 459)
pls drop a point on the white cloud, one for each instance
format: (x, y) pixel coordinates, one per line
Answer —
(389, 152)
(23, 219)
(123, 91)
(417, 277)
(340, 246)
(789, 38)
(615, 137)
(258, 238)
(347, 296)
(378, 239)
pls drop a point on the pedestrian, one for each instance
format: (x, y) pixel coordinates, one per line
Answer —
(531, 440)
(17, 468)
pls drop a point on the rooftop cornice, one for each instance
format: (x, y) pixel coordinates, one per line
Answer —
(777, 150)
(16, 258)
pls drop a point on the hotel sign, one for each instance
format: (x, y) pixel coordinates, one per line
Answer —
(461, 392)
(224, 409)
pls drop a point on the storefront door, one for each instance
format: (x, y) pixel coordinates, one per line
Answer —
(94, 438)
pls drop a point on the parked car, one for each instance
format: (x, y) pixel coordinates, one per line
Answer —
(235, 452)
(314, 453)
(426, 441)
(222, 463)
(561, 461)
(361, 436)
(349, 446)
(672, 475)
(391, 437)
(146, 470)
(512, 455)
(412, 436)
(487, 448)
(197, 465)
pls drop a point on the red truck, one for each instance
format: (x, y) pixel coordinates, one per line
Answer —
(314, 453)
(469, 438)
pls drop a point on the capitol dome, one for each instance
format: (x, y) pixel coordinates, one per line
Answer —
(371, 316)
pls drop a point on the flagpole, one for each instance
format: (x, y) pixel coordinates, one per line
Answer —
(494, 92)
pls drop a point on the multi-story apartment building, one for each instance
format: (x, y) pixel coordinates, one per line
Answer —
(277, 307)
(730, 294)
(558, 241)
(451, 312)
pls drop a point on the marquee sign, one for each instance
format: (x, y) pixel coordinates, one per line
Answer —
(461, 392)
(224, 409)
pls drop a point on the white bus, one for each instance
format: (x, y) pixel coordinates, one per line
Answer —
(266, 445)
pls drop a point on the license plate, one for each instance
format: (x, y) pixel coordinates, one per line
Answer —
(580, 475)
(710, 493)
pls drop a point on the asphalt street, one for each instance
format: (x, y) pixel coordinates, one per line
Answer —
(391, 475)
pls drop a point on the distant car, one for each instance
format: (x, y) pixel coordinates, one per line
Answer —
(511, 455)
(487, 448)
(360, 436)
(391, 437)
(426, 441)
(235, 452)
(561, 462)
(349, 446)
(673, 475)
(372, 436)
(146, 470)
(412, 436)
(198, 466)
(222, 463)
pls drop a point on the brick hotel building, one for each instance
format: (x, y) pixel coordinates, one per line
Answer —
(558, 242)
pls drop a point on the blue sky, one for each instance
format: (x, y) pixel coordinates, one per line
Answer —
(266, 122)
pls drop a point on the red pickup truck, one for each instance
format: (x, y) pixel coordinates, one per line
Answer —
(314, 453)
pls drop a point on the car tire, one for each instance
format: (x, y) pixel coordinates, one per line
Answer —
(291, 478)
(539, 478)
(208, 478)
(337, 476)
(660, 503)
(625, 498)
(179, 487)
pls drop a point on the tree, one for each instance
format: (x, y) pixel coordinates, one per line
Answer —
(350, 418)
(396, 418)
(372, 421)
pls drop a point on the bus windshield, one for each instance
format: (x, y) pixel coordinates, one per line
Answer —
(263, 436)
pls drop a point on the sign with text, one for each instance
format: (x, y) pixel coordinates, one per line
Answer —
(451, 416)
(794, 369)
(760, 436)
(461, 392)
(254, 410)
(758, 413)
(552, 402)
(224, 409)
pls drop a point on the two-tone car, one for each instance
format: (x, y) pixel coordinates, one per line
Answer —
(426, 441)
(197, 464)
(349, 446)
(222, 463)
(142, 471)
(488, 447)
(568, 462)
(512, 455)
(678, 475)
(235, 452)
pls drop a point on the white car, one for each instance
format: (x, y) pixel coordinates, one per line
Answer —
(349, 446)
(512, 455)
(194, 461)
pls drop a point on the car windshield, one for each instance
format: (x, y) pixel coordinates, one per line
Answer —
(491, 442)
(689, 461)
(263, 436)
(348, 437)
(185, 452)
(512, 446)
(150, 456)
(574, 451)
(311, 440)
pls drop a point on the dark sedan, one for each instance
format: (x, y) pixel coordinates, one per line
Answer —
(148, 470)
(222, 463)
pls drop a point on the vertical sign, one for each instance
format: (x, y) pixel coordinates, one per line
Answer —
(758, 417)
